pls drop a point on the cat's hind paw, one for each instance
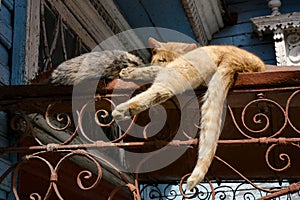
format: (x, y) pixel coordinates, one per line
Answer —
(121, 113)
(127, 73)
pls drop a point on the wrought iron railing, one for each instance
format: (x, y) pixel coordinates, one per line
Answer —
(263, 118)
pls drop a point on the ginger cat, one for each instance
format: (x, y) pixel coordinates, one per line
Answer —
(175, 66)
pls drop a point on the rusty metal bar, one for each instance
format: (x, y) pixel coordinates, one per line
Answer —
(157, 143)
(290, 189)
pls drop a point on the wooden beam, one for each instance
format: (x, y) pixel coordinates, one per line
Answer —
(32, 39)
(19, 43)
(21, 96)
(73, 23)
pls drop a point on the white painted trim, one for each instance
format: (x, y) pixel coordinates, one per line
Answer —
(205, 18)
(286, 33)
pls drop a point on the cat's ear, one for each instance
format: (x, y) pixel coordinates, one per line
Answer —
(190, 47)
(154, 44)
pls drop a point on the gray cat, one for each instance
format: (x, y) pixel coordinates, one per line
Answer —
(94, 65)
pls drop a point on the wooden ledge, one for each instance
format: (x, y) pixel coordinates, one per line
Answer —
(273, 77)
(13, 96)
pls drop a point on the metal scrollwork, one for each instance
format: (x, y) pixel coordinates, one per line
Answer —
(61, 117)
(102, 118)
(253, 121)
(59, 122)
(284, 157)
(21, 124)
(258, 119)
(54, 173)
(289, 101)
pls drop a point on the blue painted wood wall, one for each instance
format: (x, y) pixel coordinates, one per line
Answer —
(170, 14)
(242, 35)
(12, 56)
(156, 13)
(6, 34)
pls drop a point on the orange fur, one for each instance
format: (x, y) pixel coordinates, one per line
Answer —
(182, 65)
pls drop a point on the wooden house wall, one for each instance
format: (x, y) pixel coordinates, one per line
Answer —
(242, 34)
(6, 43)
(6, 24)
(12, 57)
(156, 13)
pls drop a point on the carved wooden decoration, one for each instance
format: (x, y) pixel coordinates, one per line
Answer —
(205, 18)
(274, 5)
(286, 34)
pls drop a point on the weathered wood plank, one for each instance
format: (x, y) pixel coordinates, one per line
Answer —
(32, 39)
(264, 51)
(5, 34)
(246, 6)
(241, 34)
(165, 10)
(19, 38)
(3, 194)
(135, 13)
(275, 77)
(4, 55)
(6, 184)
(244, 17)
(222, 41)
(90, 19)
(289, 6)
(3, 124)
(270, 62)
(4, 142)
(9, 4)
(238, 29)
(5, 15)
(73, 23)
(4, 74)
(6, 38)
(246, 39)
(236, 1)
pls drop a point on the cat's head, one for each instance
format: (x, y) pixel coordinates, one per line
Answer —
(165, 52)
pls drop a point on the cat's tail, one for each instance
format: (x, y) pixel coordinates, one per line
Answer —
(211, 122)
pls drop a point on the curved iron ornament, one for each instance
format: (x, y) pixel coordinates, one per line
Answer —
(265, 140)
(22, 124)
(83, 175)
(257, 117)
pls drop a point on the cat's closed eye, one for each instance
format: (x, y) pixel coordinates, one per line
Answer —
(162, 60)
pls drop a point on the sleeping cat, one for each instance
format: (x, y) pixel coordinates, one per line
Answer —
(94, 65)
(176, 67)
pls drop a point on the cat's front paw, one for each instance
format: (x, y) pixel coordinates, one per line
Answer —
(127, 73)
(121, 112)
